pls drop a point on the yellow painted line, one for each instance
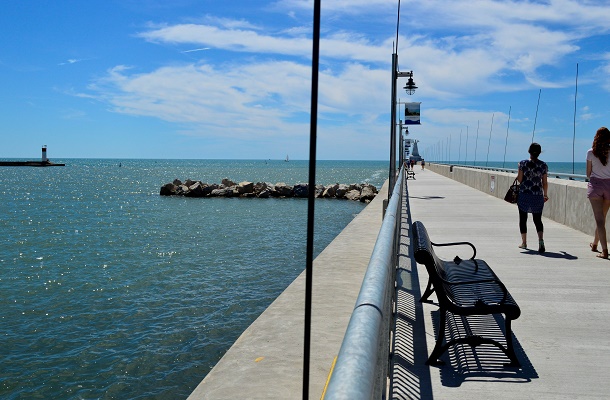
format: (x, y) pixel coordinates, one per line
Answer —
(330, 373)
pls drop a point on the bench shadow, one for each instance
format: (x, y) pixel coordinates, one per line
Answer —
(484, 362)
(409, 375)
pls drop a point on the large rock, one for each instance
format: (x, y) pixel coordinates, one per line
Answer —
(341, 191)
(368, 192)
(264, 194)
(300, 190)
(353, 194)
(245, 187)
(283, 190)
(265, 190)
(195, 190)
(260, 186)
(222, 192)
(320, 190)
(207, 189)
(227, 182)
(182, 190)
(169, 189)
(330, 191)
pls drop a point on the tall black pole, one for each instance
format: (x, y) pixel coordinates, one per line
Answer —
(393, 125)
(315, 66)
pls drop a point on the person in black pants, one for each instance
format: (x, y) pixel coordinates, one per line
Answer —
(533, 188)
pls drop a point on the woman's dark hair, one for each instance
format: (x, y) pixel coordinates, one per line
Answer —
(535, 150)
(601, 143)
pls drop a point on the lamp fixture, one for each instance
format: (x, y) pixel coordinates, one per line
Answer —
(410, 86)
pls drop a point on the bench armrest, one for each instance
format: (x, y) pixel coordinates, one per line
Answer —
(474, 250)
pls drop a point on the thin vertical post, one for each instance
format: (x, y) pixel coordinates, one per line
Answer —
(460, 148)
(315, 66)
(449, 148)
(574, 139)
(506, 144)
(466, 147)
(489, 143)
(536, 117)
(476, 145)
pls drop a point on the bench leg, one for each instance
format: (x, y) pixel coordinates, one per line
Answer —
(427, 293)
(438, 347)
(510, 349)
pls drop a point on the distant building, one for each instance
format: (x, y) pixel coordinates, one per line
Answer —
(412, 153)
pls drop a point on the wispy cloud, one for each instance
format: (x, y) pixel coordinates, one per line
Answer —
(194, 50)
(71, 61)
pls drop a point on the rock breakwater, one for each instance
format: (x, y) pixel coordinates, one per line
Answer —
(357, 192)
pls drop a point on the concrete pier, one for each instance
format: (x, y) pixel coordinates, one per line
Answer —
(561, 337)
(30, 164)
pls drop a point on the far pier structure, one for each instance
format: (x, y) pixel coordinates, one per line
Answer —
(44, 162)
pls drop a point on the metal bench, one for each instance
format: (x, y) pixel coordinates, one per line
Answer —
(464, 287)
(410, 174)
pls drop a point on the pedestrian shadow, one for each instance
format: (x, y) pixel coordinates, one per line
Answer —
(550, 254)
(485, 362)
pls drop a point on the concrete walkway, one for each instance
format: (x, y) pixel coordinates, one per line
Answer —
(266, 362)
(562, 337)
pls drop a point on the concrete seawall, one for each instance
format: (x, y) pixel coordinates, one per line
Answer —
(568, 203)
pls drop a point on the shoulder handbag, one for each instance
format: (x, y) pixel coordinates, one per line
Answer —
(513, 192)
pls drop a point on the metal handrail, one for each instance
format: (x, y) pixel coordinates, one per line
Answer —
(361, 369)
(551, 174)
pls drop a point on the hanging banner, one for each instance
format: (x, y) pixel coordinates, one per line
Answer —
(412, 113)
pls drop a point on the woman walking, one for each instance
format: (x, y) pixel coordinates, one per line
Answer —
(532, 194)
(598, 188)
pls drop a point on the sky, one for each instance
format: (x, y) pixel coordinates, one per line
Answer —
(210, 79)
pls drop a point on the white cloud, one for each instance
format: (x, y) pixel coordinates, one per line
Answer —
(478, 41)
(228, 39)
(70, 61)
(457, 50)
(194, 50)
(256, 95)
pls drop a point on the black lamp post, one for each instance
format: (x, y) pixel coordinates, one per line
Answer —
(410, 88)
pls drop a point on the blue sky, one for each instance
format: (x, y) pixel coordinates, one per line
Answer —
(213, 79)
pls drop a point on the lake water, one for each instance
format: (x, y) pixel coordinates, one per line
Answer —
(111, 291)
